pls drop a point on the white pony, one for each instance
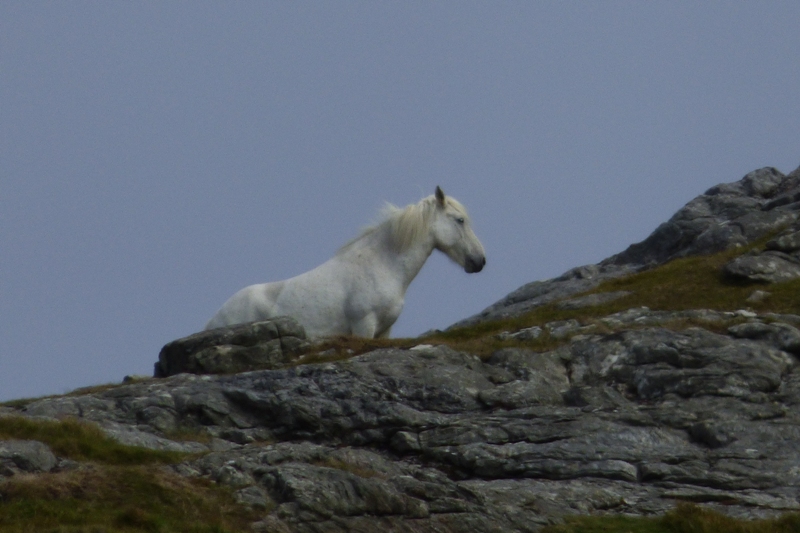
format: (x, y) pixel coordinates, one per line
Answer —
(360, 290)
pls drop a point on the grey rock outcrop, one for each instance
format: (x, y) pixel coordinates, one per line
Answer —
(25, 456)
(431, 439)
(239, 348)
(538, 293)
(779, 261)
(726, 216)
(767, 267)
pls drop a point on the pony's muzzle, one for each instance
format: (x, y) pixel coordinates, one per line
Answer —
(474, 264)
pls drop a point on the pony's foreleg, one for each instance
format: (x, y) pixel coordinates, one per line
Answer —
(366, 327)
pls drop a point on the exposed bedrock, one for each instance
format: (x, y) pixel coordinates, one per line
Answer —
(430, 439)
(726, 216)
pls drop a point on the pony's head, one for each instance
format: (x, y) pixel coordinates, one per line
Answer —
(439, 218)
(453, 234)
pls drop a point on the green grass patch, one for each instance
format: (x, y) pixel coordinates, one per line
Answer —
(689, 283)
(343, 346)
(118, 499)
(82, 391)
(685, 518)
(115, 488)
(18, 403)
(94, 389)
(81, 441)
(698, 283)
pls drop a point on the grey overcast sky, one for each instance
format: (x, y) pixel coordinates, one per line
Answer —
(155, 157)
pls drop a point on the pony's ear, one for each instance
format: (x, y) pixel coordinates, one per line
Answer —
(439, 196)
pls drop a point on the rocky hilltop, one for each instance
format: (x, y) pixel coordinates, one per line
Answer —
(616, 388)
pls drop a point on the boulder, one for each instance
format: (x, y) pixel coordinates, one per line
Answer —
(267, 344)
(777, 334)
(778, 262)
(788, 242)
(765, 267)
(25, 456)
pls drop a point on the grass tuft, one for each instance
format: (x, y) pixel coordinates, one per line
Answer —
(120, 499)
(82, 441)
(684, 518)
(114, 488)
(690, 283)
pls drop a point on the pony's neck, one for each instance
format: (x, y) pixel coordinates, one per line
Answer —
(408, 262)
(403, 263)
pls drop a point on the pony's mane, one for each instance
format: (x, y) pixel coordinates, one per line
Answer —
(406, 225)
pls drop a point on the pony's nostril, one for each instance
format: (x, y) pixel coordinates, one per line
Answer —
(474, 265)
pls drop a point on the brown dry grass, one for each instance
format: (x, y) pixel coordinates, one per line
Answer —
(684, 518)
(117, 498)
(690, 283)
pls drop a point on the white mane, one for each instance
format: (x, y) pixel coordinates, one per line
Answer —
(406, 225)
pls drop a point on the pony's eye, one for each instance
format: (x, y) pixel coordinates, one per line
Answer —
(460, 220)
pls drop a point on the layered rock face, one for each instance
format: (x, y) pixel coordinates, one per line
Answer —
(628, 414)
(727, 216)
(430, 439)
